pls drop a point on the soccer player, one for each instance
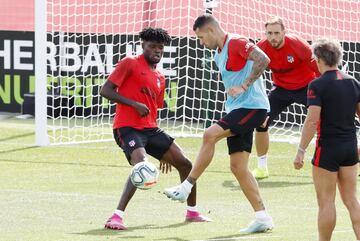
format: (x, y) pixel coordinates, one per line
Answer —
(333, 100)
(241, 64)
(292, 68)
(138, 89)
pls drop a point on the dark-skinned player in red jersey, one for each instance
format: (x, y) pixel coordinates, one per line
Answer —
(292, 68)
(333, 101)
(137, 88)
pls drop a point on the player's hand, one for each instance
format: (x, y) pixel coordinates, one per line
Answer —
(299, 160)
(165, 167)
(235, 91)
(142, 109)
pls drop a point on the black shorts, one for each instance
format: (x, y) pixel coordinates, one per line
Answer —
(281, 98)
(242, 123)
(155, 141)
(331, 155)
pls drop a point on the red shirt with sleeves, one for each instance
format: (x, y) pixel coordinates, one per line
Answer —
(292, 65)
(238, 51)
(135, 80)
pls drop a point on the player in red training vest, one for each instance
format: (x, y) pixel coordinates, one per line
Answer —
(137, 88)
(292, 68)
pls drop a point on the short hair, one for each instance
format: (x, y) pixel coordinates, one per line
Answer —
(202, 20)
(275, 20)
(329, 50)
(155, 34)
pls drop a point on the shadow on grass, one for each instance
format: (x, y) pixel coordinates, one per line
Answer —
(291, 175)
(175, 225)
(123, 234)
(282, 184)
(109, 232)
(17, 136)
(272, 175)
(239, 236)
(172, 238)
(233, 185)
(18, 149)
(62, 163)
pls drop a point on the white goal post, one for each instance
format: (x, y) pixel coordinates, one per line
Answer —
(41, 135)
(78, 43)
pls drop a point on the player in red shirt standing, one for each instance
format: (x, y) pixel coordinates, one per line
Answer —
(138, 89)
(293, 68)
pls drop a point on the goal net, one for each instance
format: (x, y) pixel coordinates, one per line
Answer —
(85, 40)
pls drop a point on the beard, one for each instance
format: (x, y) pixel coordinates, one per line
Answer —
(277, 44)
(152, 60)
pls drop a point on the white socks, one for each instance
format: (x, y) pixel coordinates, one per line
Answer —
(262, 216)
(192, 209)
(119, 213)
(262, 161)
(187, 186)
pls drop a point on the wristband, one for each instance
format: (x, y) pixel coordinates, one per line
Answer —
(303, 151)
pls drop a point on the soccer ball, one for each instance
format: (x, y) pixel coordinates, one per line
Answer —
(144, 175)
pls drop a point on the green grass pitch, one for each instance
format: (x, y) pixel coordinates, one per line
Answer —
(68, 192)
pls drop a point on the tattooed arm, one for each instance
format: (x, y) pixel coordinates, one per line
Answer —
(261, 61)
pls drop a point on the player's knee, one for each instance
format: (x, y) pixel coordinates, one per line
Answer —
(351, 202)
(326, 203)
(237, 168)
(136, 159)
(209, 137)
(136, 156)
